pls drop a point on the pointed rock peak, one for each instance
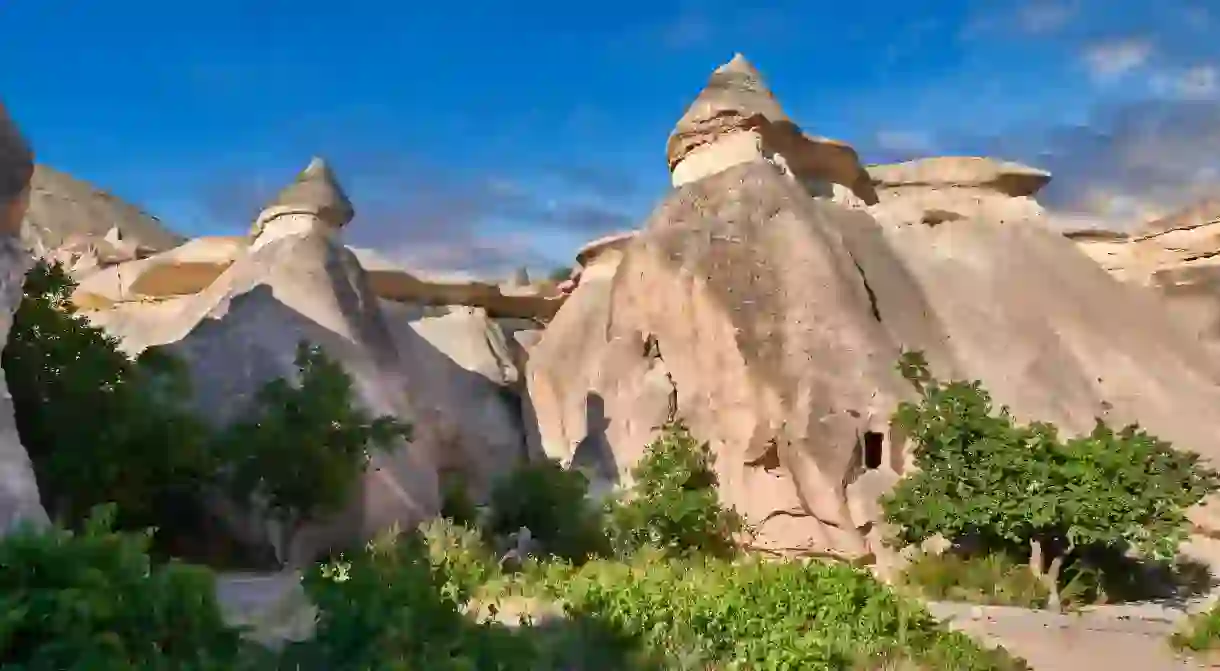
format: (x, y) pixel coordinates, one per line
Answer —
(315, 191)
(735, 98)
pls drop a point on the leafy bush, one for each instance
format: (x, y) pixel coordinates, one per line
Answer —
(387, 608)
(460, 555)
(95, 601)
(455, 501)
(302, 448)
(1200, 633)
(97, 424)
(711, 613)
(989, 579)
(549, 500)
(1023, 490)
(673, 503)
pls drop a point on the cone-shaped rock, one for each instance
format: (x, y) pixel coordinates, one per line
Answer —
(736, 119)
(315, 191)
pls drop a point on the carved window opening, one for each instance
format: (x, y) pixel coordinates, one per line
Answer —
(873, 448)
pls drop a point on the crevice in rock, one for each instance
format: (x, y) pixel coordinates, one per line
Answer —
(769, 461)
(872, 297)
(652, 350)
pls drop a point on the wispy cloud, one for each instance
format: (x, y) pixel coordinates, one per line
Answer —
(1110, 60)
(1201, 82)
(1045, 17)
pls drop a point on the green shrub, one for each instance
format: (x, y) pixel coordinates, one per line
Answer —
(460, 555)
(1200, 633)
(302, 448)
(550, 501)
(99, 426)
(712, 613)
(673, 503)
(1023, 490)
(989, 579)
(387, 608)
(95, 601)
(455, 501)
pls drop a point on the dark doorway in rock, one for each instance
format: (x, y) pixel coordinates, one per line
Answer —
(873, 445)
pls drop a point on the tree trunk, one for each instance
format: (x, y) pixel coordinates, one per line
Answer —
(1048, 576)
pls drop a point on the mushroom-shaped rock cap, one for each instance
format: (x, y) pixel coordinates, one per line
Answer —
(1013, 179)
(585, 255)
(735, 97)
(315, 191)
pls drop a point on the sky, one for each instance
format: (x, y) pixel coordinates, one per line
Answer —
(490, 135)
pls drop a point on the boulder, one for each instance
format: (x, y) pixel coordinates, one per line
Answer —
(736, 119)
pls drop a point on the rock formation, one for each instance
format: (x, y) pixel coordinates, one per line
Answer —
(19, 496)
(771, 316)
(430, 352)
(1177, 256)
(736, 119)
(64, 210)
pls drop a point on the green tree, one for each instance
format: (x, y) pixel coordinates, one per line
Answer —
(1024, 490)
(95, 600)
(674, 504)
(550, 501)
(301, 448)
(99, 426)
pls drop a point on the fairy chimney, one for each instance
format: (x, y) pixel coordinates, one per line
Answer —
(736, 119)
(314, 198)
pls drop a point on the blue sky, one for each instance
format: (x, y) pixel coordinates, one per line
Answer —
(491, 134)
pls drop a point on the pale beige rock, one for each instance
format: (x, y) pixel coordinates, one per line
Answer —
(292, 284)
(182, 271)
(779, 317)
(736, 119)
(390, 281)
(1006, 177)
(463, 382)
(933, 191)
(64, 208)
(315, 193)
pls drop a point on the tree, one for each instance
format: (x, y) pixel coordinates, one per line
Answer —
(1024, 490)
(99, 426)
(673, 503)
(300, 449)
(560, 274)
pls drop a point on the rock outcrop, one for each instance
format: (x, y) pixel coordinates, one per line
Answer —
(64, 210)
(770, 317)
(1177, 256)
(935, 190)
(736, 119)
(427, 351)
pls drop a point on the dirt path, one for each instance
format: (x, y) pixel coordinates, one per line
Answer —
(1105, 639)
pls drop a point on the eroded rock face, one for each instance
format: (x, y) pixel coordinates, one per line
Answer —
(736, 119)
(771, 319)
(935, 190)
(1178, 257)
(315, 197)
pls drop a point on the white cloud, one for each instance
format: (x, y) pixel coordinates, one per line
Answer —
(1201, 82)
(1108, 61)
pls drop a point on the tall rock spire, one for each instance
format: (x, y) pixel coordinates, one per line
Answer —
(736, 118)
(315, 191)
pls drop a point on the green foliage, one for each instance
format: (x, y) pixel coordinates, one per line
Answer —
(673, 503)
(550, 501)
(1014, 488)
(757, 614)
(94, 602)
(387, 608)
(989, 579)
(1200, 633)
(455, 502)
(97, 424)
(460, 555)
(302, 448)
